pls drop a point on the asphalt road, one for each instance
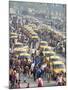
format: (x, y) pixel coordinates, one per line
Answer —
(33, 83)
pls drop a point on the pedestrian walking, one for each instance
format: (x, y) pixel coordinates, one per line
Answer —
(48, 73)
(40, 82)
(28, 85)
(34, 73)
(59, 80)
(39, 72)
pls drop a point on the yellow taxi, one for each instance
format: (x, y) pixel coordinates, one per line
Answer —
(34, 37)
(26, 48)
(58, 67)
(47, 56)
(54, 58)
(14, 37)
(18, 44)
(45, 48)
(13, 34)
(32, 25)
(43, 43)
(49, 53)
(25, 55)
(21, 49)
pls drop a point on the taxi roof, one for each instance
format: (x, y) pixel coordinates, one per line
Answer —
(13, 37)
(35, 36)
(20, 49)
(58, 62)
(49, 52)
(18, 43)
(13, 33)
(43, 42)
(46, 47)
(54, 57)
(24, 54)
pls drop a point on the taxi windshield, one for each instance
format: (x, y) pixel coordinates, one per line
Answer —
(56, 66)
(43, 44)
(54, 59)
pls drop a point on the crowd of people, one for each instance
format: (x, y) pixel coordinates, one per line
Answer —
(37, 68)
